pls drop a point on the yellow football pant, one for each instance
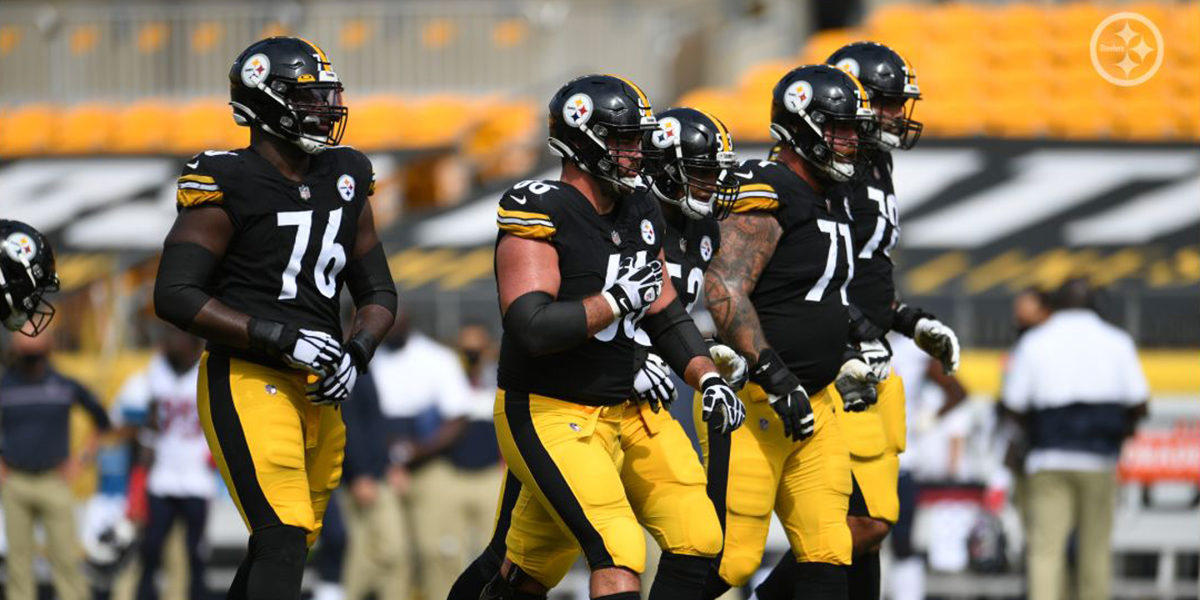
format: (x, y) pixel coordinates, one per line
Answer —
(280, 455)
(599, 474)
(757, 468)
(876, 439)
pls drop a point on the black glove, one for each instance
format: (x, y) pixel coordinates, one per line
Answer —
(720, 406)
(786, 394)
(307, 349)
(635, 288)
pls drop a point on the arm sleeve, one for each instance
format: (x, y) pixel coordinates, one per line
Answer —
(180, 289)
(1019, 380)
(675, 336)
(545, 326)
(89, 403)
(370, 280)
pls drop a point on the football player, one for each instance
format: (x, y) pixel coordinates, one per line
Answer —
(690, 161)
(264, 240)
(27, 274)
(579, 269)
(876, 436)
(777, 293)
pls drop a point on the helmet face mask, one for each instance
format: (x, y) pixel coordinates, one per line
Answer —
(286, 87)
(27, 274)
(897, 128)
(693, 162)
(825, 115)
(598, 122)
(891, 82)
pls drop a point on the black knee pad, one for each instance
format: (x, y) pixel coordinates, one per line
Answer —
(863, 581)
(503, 587)
(820, 581)
(278, 555)
(680, 577)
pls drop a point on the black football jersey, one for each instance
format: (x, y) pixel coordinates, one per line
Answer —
(800, 296)
(876, 226)
(690, 246)
(291, 240)
(590, 249)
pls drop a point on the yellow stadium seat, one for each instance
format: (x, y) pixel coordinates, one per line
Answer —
(823, 43)
(759, 80)
(1020, 21)
(83, 129)
(508, 139)
(144, 127)
(1014, 116)
(1143, 119)
(376, 123)
(951, 118)
(748, 118)
(1082, 118)
(25, 130)
(436, 121)
(206, 124)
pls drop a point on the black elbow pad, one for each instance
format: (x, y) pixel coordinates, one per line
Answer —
(543, 326)
(370, 280)
(179, 288)
(675, 336)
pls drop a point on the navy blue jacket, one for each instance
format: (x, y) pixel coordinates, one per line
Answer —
(35, 418)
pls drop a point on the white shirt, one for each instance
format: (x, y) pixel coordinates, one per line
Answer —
(181, 458)
(421, 375)
(1074, 357)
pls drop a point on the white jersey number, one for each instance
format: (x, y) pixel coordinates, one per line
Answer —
(330, 261)
(834, 230)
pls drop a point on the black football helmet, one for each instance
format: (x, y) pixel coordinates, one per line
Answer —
(888, 79)
(812, 110)
(27, 274)
(587, 118)
(692, 163)
(287, 86)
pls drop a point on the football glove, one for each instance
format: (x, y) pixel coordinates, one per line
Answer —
(307, 349)
(653, 384)
(635, 288)
(720, 406)
(856, 384)
(938, 341)
(878, 355)
(786, 395)
(335, 387)
(731, 365)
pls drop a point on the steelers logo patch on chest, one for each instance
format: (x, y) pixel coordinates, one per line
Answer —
(647, 232)
(20, 247)
(345, 186)
(706, 248)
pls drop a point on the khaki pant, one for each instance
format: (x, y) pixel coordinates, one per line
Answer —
(27, 499)
(1059, 502)
(377, 547)
(455, 511)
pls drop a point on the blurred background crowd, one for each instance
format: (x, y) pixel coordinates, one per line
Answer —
(1035, 170)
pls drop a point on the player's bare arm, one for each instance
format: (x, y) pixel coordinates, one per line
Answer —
(747, 242)
(191, 252)
(371, 286)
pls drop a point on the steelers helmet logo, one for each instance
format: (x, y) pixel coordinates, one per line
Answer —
(578, 110)
(345, 187)
(798, 96)
(667, 134)
(20, 247)
(848, 65)
(647, 232)
(706, 248)
(255, 70)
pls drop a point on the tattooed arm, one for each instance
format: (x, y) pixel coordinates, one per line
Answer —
(747, 242)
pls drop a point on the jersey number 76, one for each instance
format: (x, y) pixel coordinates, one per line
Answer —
(330, 261)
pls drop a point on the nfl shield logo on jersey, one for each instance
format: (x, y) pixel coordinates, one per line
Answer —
(345, 187)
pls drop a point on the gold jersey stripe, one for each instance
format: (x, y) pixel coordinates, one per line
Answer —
(532, 232)
(757, 187)
(189, 197)
(207, 179)
(521, 214)
(753, 203)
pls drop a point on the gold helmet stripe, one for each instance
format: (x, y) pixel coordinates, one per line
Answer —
(647, 111)
(325, 64)
(722, 131)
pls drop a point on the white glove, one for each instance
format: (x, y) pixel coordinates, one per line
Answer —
(938, 341)
(634, 288)
(720, 406)
(335, 387)
(856, 384)
(878, 356)
(653, 384)
(314, 351)
(732, 366)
